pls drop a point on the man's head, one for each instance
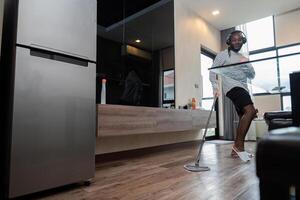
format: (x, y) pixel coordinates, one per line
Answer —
(235, 40)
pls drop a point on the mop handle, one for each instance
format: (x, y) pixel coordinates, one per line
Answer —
(204, 135)
(208, 120)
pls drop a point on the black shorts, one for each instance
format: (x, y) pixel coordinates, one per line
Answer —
(240, 98)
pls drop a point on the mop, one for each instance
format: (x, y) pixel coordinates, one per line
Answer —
(195, 167)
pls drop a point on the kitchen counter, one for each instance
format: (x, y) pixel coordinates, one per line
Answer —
(118, 120)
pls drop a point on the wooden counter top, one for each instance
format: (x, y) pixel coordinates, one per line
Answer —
(115, 120)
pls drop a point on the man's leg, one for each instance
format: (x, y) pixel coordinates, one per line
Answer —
(243, 126)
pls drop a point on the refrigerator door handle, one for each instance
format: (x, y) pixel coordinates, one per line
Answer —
(36, 46)
(58, 57)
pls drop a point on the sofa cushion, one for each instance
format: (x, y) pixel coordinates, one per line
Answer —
(278, 156)
(268, 116)
(280, 123)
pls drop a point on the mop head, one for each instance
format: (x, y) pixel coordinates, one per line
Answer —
(194, 167)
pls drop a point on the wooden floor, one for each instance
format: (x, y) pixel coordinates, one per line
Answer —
(161, 176)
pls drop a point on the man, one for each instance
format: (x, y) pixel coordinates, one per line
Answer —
(133, 90)
(234, 83)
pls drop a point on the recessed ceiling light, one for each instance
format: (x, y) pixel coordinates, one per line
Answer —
(138, 41)
(215, 12)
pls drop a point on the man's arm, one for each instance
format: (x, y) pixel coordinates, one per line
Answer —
(249, 71)
(248, 68)
(219, 61)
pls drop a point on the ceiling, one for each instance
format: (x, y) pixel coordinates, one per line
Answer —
(152, 21)
(236, 12)
(153, 25)
(112, 11)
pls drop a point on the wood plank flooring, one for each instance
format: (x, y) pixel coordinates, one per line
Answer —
(161, 176)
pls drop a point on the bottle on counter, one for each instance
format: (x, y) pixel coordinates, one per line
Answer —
(103, 92)
(193, 103)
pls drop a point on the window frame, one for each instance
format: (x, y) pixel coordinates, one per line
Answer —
(276, 49)
(163, 88)
(211, 55)
(262, 50)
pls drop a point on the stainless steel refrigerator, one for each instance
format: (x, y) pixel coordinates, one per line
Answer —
(54, 108)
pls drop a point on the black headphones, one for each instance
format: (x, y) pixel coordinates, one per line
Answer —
(228, 39)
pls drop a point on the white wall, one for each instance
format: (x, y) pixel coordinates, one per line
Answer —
(191, 31)
(287, 28)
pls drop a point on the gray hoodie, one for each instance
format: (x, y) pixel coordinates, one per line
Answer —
(235, 76)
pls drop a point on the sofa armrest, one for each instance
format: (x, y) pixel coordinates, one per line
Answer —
(268, 116)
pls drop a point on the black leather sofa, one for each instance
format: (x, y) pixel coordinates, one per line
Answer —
(278, 119)
(278, 163)
(278, 153)
(282, 119)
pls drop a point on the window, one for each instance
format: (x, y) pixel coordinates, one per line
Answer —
(206, 63)
(272, 76)
(168, 88)
(207, 59)
(260, 34)
(207, 103)
(262, 83)
(287, 65)
(286, 101)
(289, 50)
